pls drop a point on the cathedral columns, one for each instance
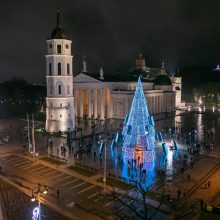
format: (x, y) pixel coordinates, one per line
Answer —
(80, 103)
(76, 103)
(102, 103)
(89, 104)
(108, 104)
(95, 103)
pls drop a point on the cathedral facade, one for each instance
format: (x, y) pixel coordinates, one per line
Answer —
(101, 96)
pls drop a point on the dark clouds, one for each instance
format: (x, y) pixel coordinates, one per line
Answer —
(110, 33)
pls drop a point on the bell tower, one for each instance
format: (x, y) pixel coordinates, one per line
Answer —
(60, 112)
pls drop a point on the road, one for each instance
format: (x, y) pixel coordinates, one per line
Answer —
(88, 198)
(17, 205)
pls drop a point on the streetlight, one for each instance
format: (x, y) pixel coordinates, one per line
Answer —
(36, 195)
(103, 141)
(170, 132)
(190, 138)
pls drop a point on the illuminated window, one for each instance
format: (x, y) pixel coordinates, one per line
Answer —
(59, 68)
(68, 69)
(50, 68)
(59, 89)
(59, 49)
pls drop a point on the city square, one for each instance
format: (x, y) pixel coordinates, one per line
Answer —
(109, 117)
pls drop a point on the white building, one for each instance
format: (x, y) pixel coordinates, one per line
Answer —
(99, 96)
(110, 96)
(60, 114)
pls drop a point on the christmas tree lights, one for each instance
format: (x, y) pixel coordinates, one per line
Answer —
(138, 132)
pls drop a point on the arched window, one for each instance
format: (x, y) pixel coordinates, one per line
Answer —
(68, 89)
(59, 49)
(59, 69)
(50, 68)
(68, 69)
(59, 89)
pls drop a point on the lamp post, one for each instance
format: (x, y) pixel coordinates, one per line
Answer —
(170, 131)
(190, 139)
(39, 190)
(103, 141)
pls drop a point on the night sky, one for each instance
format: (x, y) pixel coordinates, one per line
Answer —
(111, 33)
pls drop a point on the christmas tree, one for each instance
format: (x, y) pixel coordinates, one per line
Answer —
(138, 132)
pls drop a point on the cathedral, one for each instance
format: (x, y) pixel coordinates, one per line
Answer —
(100, 96)
(106, 96)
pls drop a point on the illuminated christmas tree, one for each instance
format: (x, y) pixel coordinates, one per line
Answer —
(138, 132)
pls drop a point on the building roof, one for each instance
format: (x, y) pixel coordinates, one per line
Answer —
(117, 77)
(162, 80)
(58, 32)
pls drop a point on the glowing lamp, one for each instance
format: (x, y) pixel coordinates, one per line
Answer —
(45, 191)
(33, 199)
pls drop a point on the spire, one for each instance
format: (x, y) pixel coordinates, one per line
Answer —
(84, 70)
(101, 73)
(58, 18)
(58, 32)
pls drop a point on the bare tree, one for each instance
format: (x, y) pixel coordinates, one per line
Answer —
(135, 203)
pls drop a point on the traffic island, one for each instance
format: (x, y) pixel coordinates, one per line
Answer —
(115, 183)
(83, 171)
(52, 160)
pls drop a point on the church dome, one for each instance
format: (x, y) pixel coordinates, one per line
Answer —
(58, 33)
(162, 80)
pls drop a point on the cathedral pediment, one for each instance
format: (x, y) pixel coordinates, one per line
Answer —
(83, 78)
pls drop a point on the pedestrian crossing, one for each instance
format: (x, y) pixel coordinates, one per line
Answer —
(81, 190)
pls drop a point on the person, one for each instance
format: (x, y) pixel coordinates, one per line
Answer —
(208, 184)
(192, 207)
(201, 203)
(182, 170)
(58, 194)
(168, 196)
(178, 193)
(184, 194)
(94, 156)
